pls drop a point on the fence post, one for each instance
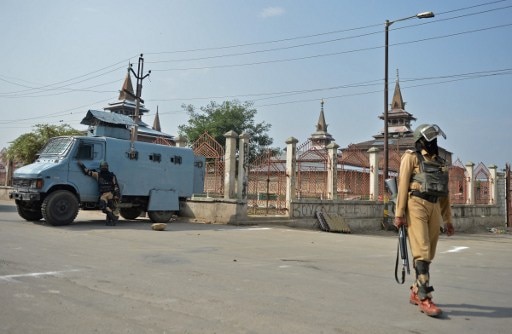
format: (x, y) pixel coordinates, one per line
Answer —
(181, 141)
(230, 164)
(332, 171)
(470, 183)
(493, 184)
(243, 155)
(291, 169)
(374, 173)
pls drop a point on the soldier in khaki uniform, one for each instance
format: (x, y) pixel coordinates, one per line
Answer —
(422, 204)
(109, 190)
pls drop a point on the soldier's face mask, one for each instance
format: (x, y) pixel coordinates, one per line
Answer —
(431, 146)
(432, 132)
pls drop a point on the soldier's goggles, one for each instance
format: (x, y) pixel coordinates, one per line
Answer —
(432, 132)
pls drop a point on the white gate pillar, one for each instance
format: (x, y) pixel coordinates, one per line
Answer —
(243, 157)
(9, 169)
(332, 171)
(470, 183)
(291, 169)
(230, 164)
(493, 184)
(374, 173)
(181, 141)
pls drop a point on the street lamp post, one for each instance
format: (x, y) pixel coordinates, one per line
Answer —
(423, 15)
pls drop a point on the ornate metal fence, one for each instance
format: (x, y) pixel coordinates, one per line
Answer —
(267, 176)
(163, 141)
(267, 184)
(482, 184)
(353, 174)
(508, 194)
(208, 147)
(457, 186)
(459, 180)
(312, 163)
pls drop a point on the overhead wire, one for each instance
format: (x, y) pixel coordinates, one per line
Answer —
(323, 42)
(54, 114)
(311, 35)
(444, 80)
(61, 84)
(51, 86)
(83, 78)
(332, 53)
(294, 46)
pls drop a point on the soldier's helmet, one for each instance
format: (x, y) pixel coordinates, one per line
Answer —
(104, 165)
(428, 131)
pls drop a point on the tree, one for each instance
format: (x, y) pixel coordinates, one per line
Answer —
(230, 115)
(25, 148)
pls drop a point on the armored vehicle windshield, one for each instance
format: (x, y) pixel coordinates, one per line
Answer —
(57, 146)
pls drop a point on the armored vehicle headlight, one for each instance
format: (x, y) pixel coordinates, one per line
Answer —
(37, 183)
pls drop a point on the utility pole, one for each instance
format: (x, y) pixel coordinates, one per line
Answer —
(424, 15)
(136, 119)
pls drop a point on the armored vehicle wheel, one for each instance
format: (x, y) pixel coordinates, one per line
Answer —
(130, 213)
(160, 216)
(60, 208)
(29, 212)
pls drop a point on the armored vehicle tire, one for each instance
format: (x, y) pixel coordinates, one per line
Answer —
(130, 213)
(159, 217)
(29, 213)
(60, 208)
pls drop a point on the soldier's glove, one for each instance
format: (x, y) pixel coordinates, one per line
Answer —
(399, 221)
(448, 227)
(82, 167)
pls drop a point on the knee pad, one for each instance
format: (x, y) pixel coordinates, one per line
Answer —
(421, 267)
(423, 278)
(422, 272)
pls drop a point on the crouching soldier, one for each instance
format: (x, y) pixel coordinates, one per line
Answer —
(109, 191)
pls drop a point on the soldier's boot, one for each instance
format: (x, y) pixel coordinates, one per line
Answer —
(114, 212)
(110, 219)
(413, 298)
(102, 205)
(114, 219)
(421, 292)
(428, 307)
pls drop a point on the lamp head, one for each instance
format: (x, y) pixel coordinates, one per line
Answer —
(425, 15)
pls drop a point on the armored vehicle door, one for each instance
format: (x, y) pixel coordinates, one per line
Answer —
(90, 152)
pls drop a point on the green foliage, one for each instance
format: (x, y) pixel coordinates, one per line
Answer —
(219, 119)
(25, 148)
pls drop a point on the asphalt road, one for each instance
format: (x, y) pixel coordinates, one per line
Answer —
(201, 278)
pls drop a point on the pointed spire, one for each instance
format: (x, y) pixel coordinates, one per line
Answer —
(321, 125)
(397, 102)
(127, 87)
(321, 137)
(156, 122)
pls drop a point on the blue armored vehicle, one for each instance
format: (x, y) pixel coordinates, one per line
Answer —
(153, 178)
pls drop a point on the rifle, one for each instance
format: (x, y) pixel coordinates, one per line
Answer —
(401, 250)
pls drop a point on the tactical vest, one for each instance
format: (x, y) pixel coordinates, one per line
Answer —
(433, 177)
(106, 182)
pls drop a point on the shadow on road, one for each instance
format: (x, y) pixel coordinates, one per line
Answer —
(7, 208)
(144, 225)
(470, 310)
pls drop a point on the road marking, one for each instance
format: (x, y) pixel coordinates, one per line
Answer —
(11, 278)
(456, 249)
(244, 229)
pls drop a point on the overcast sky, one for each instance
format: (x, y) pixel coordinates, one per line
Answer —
(61, 58)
